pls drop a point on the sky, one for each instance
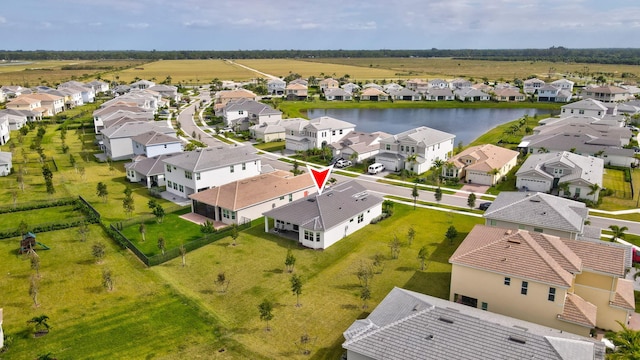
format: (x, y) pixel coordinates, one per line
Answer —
(316, 25)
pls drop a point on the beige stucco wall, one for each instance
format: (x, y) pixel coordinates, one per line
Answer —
(506, 300)
(598, 290)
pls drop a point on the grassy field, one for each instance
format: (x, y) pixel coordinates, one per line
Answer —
(142, 318)
(448, 68)
(188, 71)
(320, 69)
(51, 214)
(51, 72)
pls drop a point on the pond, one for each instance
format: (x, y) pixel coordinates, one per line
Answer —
(466, 124)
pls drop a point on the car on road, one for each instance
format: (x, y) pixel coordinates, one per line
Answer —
(484, 206)
(343, 163)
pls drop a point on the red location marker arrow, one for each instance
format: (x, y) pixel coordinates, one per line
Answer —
(320, 177)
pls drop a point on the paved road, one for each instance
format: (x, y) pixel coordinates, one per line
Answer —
(188, 117)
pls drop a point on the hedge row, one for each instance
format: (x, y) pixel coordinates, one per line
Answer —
(38, 205)
(39, 228)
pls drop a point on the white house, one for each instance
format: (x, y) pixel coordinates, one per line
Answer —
(547, 171)
(5, 163)
(358, 146)
(167, 91)
(319, 221)
(317, 133)
(148, 171)
(275, 130)
(119, 111)
(246, 112)
(438, 94)
(276, 86)
(142, 84)
(350, 87)
(87, 93)
(563, 84)
(405, 94)
(483, 164)
(530, 86)
(201, 169)
(338, 95)
(438, 84)
(415, 149)
(18, 118)
(152, 143)
(243, 200)
(587, 107)
(471, 94)
(98, 86)
(551, 93)
(5, 133)
(117, 140)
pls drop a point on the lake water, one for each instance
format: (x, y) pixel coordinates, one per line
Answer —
(466, 124)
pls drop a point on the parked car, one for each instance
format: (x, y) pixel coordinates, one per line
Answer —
(484, 206)
(375, 168)
(343, 163)
(636, 256)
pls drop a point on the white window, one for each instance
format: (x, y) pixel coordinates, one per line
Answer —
(168, 168)
(188, 174)
(231, 169)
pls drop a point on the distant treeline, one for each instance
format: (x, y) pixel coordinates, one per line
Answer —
(554, 54)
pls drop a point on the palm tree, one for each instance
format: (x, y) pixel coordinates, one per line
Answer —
(618, 232)
(40, 323)
(543, 150)
(594, 190)
(494, 172)
(354, 157)
(626, 341)
(387, 206)
(412, 159)
(564, 187)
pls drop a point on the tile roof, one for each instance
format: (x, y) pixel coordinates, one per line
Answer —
(624, 296)
(407, 325)
(323, 212)
(255, 190)
(487, 157)
(327, 122)
(538, 209)
(421, 135)
(579, 311)
(134, 128)
(213, 158)
(505, 252)
(602, 256)
(148, 166)
(154, 138)
(586, 168)
(586, 104)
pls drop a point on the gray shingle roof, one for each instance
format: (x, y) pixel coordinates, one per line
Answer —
(539, 210)
(213, 158)
(323, 212)
(409, 325)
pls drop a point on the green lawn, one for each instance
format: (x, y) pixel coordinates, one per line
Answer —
(272, 146)
(38, 216)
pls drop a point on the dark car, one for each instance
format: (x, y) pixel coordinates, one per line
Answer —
(484, 205)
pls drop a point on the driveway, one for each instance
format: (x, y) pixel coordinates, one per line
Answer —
(475, 188)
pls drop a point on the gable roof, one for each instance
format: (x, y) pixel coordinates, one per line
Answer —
(539, 210)
(148, 166)
(421, 135)
(134, 128)
(323, 212)
(586, 168)
(213, 158)
(579, 311)
(327, 122)
(488, 157)
(154, 138)
(408, 325)
(5, 157)
(255, 190)
(586, 104)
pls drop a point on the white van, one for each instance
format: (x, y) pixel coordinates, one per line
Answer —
(375, 168)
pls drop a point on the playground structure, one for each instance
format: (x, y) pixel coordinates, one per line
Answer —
(29, 243)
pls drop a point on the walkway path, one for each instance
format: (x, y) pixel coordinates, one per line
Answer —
(251, 69)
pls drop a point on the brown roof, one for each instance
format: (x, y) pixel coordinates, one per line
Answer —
(579, 311)
(488, 157)
(516, 253)
(245, 193)
(624, 297)
(600, 256)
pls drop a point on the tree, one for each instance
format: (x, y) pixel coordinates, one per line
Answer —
(81, 171)
(626, 341)
(34, 290)
(471, 200)
(266, 312)
(451, 234)
(158, 211)
(107, 279)
(564, 187)
(222, 282)
(83, 230)
(290, 261)
(48, 179)
(183, 254)
(387, 207)
(296, 168)
(127, 203)
(594, 189)
(365, 294)
(423, 253)
(364, 273)
(161, 244)
(98, 251)
(438, 194)
(234, 233)
(40, 323)
(152, 203)
(394, 245)
(20, 178)
(412, 160)
(415, 194)
(296, 287)
(618, 232)
(207, 228)
(102, 192)
(411, 234)
(35, 262)
(23, 227)
(143, 230)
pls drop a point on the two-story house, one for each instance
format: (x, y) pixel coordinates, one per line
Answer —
(415, 149)
(531, 86)
(571, 285)
(296, 91)
(317, 133)
(483, 164)
(328, 83)
(276, 86)
(52, 104)
(550, 93)
(547, 172)
(243, 113)
(318, 221)
(586, 107)
(201, 169)
(276, 130)
(563, 84)
(606, 94)
(5, 163)
(153, 143)
(118, 140)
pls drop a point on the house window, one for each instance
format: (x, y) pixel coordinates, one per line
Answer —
(240, 112)
(492, 222)
(581, 112)
(401, 147)
(175, 186)
(524, 288)
(244, 166)
(197, 176)
(388, 147)
(181, 188)
(552, 294)
(168, 168)
(290, 197)
(340, 131)
(450, 172)
(485, 306)
(231, 169)
(169, 184)
(360, 218)
(413, 149)
(577, 193)
(308, 235)
(521, 227)
(507, 281)
(333, 133)
(557, 171)
(188, 174)
(318, 236)
(537, 229)
(282, 197)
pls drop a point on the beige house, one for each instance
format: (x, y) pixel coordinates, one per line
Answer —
(508, 94)
(373, 94)
(244, 200)
(295, 91)
(53, 104)
(223, 97)
(571, 285)
(606, 93)
(482, 164)
(328, 84)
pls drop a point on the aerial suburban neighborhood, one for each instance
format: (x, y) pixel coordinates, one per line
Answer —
(417, 244)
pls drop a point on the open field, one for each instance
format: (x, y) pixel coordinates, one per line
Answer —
(284, 67)
(191, 72)
(55, 72)
(448, 68)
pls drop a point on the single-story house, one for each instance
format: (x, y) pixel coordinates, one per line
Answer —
(483, 164)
